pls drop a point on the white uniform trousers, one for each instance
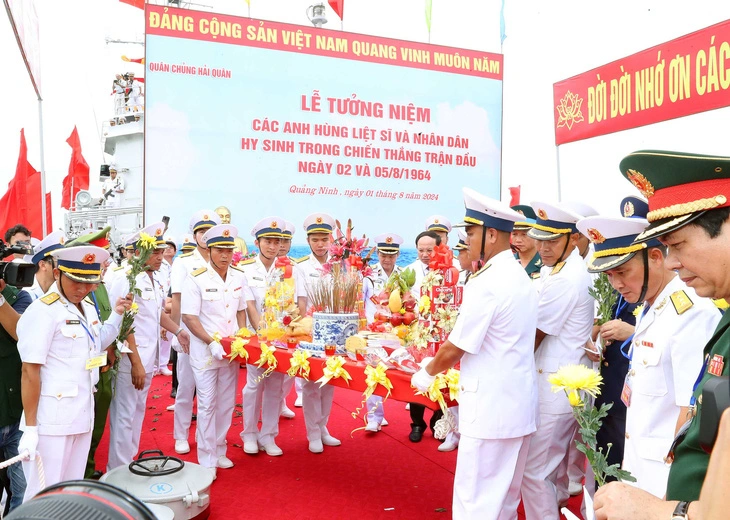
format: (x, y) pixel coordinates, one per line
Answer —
(63, 458)
(287, 385)
(126, 415)
(165, 347)
(488, 476)
(453, 436)
(376, 412)
(316, 405)
(576, 461)
(545, 484)
(184, 397)
(261, 399)
(216, 400)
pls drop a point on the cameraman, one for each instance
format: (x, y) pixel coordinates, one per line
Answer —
(18, 235)
(13, 303)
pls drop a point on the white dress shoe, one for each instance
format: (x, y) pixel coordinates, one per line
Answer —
(286, 412)
(448, 446)
(575, 488)
(171, 408)
(165, 371)
(298, 401)
(385, 422)
(214, 472)
(408, 406)
(250, 447)
(224, 462)
(182, 446)
(272, 450)
(372, 426)
(328, 440)
(316, 446)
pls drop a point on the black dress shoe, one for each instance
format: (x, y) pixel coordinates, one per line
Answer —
(438, 414)
(173, 394)
(416, 433)
(194, 417)
(96, 475)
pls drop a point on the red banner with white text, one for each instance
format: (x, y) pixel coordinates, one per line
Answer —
(685, 76)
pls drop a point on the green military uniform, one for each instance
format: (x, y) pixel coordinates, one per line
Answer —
(690, 460)
(533, 268)
(680, 187)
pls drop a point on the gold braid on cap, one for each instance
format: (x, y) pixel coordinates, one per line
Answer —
(551, 229)
(619, 250)
(686, 208)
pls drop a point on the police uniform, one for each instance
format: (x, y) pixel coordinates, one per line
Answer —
(565, 315)
(42, 250)
(181, 268)
(498, 393)
(129, 404)
(261, 396)
(67, 341)
(387, 244)
(680, 187)
(217, 304)
(316, 401)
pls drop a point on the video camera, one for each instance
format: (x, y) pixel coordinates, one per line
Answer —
(19, 274)
(715, 399)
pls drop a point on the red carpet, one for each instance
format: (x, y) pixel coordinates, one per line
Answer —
(381, 475)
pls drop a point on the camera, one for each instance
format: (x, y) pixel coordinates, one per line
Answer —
(715, 399)
(19, 274)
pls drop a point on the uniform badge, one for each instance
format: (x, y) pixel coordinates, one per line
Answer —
(628, 209)
(89, 259)
(717, 363)
(641, 183)
(389, 240)
(226, 233)
(596, 236)
(542, 214)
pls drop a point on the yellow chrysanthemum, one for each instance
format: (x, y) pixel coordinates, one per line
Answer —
(574, 399)
(134, 308)
(147, 241)
(576, 377)
(424, 304)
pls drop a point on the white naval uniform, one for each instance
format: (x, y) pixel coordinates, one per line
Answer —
(165, 336)
(114, 271)
(34, 290)
(565, 314)
(59, 338)
(260, 397)
(181, 267)
(316, 401)
(420, 269)
(498, 390)
(372, 286)
(135, 95)
(127, 410)
(216, 303)
(667, 355)
(114, 200)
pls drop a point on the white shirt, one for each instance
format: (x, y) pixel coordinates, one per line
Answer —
(421, 269)
(62, 339)
(257, 279)
(147, 321)
(115, 270)
(310, 272)
(374, 285)
(215, 302)
(182, 267)
(666, 357)
(496, 328)
(114, 198)
(565, 314)
(164, 274)
(34, 290)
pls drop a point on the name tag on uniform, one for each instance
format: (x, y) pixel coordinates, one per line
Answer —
(316, 275)
(73, 322)
(148, 289)
(212, 290)
(258, 278)
(96, 361)
(626, 392)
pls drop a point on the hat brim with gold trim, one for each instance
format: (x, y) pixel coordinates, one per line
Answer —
(617, 246)
(82, 263)
(679, 187)
(552, 221)
(222, 236)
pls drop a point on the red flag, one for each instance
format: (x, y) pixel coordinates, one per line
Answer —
(338, 6)
(134, 3)
(78, 172)
(22, 202)
(133, 60)
(514, 193)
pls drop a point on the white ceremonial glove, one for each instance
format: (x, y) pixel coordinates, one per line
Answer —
(175, 344)
(29, 441)
(425, 361)
(217, 350)
(422, 381)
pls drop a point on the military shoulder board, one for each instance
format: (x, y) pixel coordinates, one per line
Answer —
(535, 275)
(557, 268)
(199, 271)
(236, 268)
(247, 262)
(50, 298)
(119, 268)
(185, 255)
(681, 302)
(480, 271)
(302, 259)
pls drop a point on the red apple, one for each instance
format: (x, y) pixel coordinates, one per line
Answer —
(408, 318)
(396, 319)
(286, 320)
(381, 316)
